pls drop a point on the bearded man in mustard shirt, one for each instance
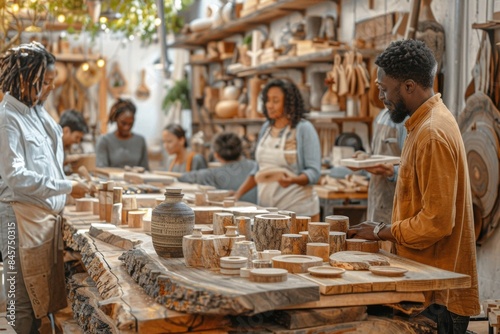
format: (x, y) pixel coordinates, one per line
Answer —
(432, 218)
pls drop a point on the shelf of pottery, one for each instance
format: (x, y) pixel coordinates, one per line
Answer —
(232, 57)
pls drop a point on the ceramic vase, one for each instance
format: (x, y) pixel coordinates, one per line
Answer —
(170, 222)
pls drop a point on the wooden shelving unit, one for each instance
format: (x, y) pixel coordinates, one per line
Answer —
(261, 16)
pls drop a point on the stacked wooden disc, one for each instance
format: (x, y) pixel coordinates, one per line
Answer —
(482, 143)
(296, 263)
(230, 265)
(268, 275)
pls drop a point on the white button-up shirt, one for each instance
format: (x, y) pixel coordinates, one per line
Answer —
(31, 159)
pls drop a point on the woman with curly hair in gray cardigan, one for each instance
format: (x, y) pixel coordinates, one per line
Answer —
(287, 153)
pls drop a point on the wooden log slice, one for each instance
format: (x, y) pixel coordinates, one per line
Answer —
(354, 260)
(296, 263)
(319, 249)
(292, 244)
(337, 242)
(135, 218)
(302, 223)
(319, 232)
(268, 229)
(191, 248)
(338, 223)
(362, 245)
(481, 141)
(268, 275)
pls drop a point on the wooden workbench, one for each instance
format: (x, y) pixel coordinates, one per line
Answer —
(328, 197)
(128, 288)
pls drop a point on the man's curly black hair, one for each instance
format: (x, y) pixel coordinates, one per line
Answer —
(293, 103)
(409, 59)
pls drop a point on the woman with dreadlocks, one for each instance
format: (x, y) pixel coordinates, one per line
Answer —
(288, 145)
(33, 188)
(122, 147)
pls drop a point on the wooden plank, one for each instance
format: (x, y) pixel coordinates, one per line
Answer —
(294, 319)
(356, 299)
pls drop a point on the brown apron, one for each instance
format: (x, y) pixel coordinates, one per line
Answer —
(41, 254)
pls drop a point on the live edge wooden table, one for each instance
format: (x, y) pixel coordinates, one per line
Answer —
(127, 288)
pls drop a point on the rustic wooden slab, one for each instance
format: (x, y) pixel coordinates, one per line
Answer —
(203, 291)
(124, 299)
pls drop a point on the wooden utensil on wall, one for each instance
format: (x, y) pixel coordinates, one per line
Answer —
(142, 92)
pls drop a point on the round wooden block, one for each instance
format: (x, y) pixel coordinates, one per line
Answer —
(388, 271)
(319, 249)
(326, 271)
(318, 232)
(262, 264)
(296, 263)
(268, 229)
(302, 223)
(245, 272)
(337, 242)
(135, 218)
(352, 260)
(268, 275)
(83, 204)
(233, 260)
(338, 223)
(292, 244)
(226, 271)
(362, 245)
(191, 248)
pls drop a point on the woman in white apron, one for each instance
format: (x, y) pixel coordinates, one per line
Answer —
(289, 145)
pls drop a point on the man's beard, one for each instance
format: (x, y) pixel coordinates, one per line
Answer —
(400, 112)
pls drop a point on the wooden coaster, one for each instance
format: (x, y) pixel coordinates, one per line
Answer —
(233, 262)
(353, 260)
(296, 263)
(326, 271)
(388, 271)
(268, 275)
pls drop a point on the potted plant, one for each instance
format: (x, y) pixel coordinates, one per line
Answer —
(178, 92)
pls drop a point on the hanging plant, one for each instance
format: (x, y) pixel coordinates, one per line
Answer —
(178, 92)
(132, 17)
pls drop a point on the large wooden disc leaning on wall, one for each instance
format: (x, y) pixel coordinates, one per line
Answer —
(480, 127)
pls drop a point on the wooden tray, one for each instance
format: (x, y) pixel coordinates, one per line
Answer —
(389, 271)
(370, 162)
